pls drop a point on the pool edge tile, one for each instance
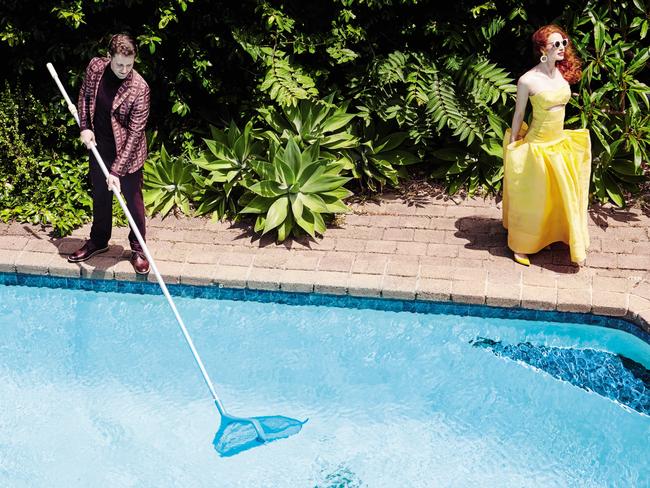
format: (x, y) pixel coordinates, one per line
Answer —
(635, 321)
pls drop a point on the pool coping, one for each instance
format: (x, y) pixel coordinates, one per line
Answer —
(216, 291)
(451, 286)
(119, 271)
(444, 251)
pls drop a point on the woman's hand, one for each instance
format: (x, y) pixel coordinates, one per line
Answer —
(518, 137)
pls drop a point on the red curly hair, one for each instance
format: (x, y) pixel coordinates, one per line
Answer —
(570, 65)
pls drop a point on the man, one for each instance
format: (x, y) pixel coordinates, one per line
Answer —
(113, 109)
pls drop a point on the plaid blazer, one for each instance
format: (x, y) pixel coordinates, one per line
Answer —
(129, 115)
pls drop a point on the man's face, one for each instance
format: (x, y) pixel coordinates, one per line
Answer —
(122, 65)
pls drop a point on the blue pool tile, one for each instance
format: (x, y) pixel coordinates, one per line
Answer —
(317, 299)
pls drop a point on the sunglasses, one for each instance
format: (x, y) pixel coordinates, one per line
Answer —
(557, 44)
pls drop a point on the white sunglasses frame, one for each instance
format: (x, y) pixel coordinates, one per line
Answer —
(564, 43)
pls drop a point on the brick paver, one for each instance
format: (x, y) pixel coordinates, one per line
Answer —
(441, 249)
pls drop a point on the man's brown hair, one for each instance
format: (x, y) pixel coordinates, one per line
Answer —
(122, 44)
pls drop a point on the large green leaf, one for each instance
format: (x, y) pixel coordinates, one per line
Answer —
(613, 190)
(277, 213)
(268, 188)
(337, 121)
(306, 221)
(313, 171)
(337, 207)
(313, 202)
(493, 147)
(258, 205)
(397, 157)
(338, 193)
(219, 150)
(296, 205)
(323, 183)
(391, 141)
(339, 141)
(284, 229)
(293, 159)
(284, 172)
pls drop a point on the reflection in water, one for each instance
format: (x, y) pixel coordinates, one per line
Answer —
(611, 375)
(341, 477)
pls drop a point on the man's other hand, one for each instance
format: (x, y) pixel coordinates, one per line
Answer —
(88, 138)
(113, 182)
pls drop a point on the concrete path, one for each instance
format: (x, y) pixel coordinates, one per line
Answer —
(434, 248)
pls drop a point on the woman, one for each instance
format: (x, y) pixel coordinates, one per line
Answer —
(546, 168)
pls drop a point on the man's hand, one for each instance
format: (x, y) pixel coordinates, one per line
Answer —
(88, 138)
(113, 182)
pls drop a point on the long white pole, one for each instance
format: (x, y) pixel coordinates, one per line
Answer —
(152, 263)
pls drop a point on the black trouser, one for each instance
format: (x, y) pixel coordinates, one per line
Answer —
(131, 184)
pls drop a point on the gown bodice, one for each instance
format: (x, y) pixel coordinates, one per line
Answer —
(547, 125)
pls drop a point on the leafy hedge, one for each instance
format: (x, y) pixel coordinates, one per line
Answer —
(405, 82)
(39, 184)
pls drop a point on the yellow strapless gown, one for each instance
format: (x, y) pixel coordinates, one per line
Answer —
(546, 180)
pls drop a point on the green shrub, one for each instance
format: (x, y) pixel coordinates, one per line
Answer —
(442, 76)
(40, 182)
(613, 102)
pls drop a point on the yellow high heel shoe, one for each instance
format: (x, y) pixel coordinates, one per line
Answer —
(522, 259)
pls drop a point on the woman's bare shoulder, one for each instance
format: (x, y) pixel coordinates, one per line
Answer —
(527, 78)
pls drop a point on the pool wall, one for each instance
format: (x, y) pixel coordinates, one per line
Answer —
(344, 301)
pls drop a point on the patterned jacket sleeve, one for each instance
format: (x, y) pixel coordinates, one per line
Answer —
(135, 132)
(83, 103)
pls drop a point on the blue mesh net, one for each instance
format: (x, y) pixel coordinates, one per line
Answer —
(239, 434)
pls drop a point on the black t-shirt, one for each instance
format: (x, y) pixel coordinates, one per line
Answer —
(108, 86)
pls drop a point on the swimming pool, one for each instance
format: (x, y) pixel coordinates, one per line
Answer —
(98, 389)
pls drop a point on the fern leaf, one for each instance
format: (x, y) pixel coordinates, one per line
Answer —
(446, 110)
(487, 82)
(286, 83)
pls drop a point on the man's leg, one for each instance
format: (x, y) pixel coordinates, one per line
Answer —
(100, 232)
(132, 190)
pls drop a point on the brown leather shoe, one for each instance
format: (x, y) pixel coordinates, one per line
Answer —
(85, 252)
(139, 263)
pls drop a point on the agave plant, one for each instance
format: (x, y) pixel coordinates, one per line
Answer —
(309, 122)
(379, 160)
(168, 182)
(224, 165)
(210, 198)
(229, 154)
(295, 189)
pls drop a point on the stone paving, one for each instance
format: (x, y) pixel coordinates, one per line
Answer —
(437, 249)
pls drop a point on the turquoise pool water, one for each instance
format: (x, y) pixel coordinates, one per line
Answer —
(99, 389)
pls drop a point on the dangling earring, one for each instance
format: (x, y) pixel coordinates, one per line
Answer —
(543, 58)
